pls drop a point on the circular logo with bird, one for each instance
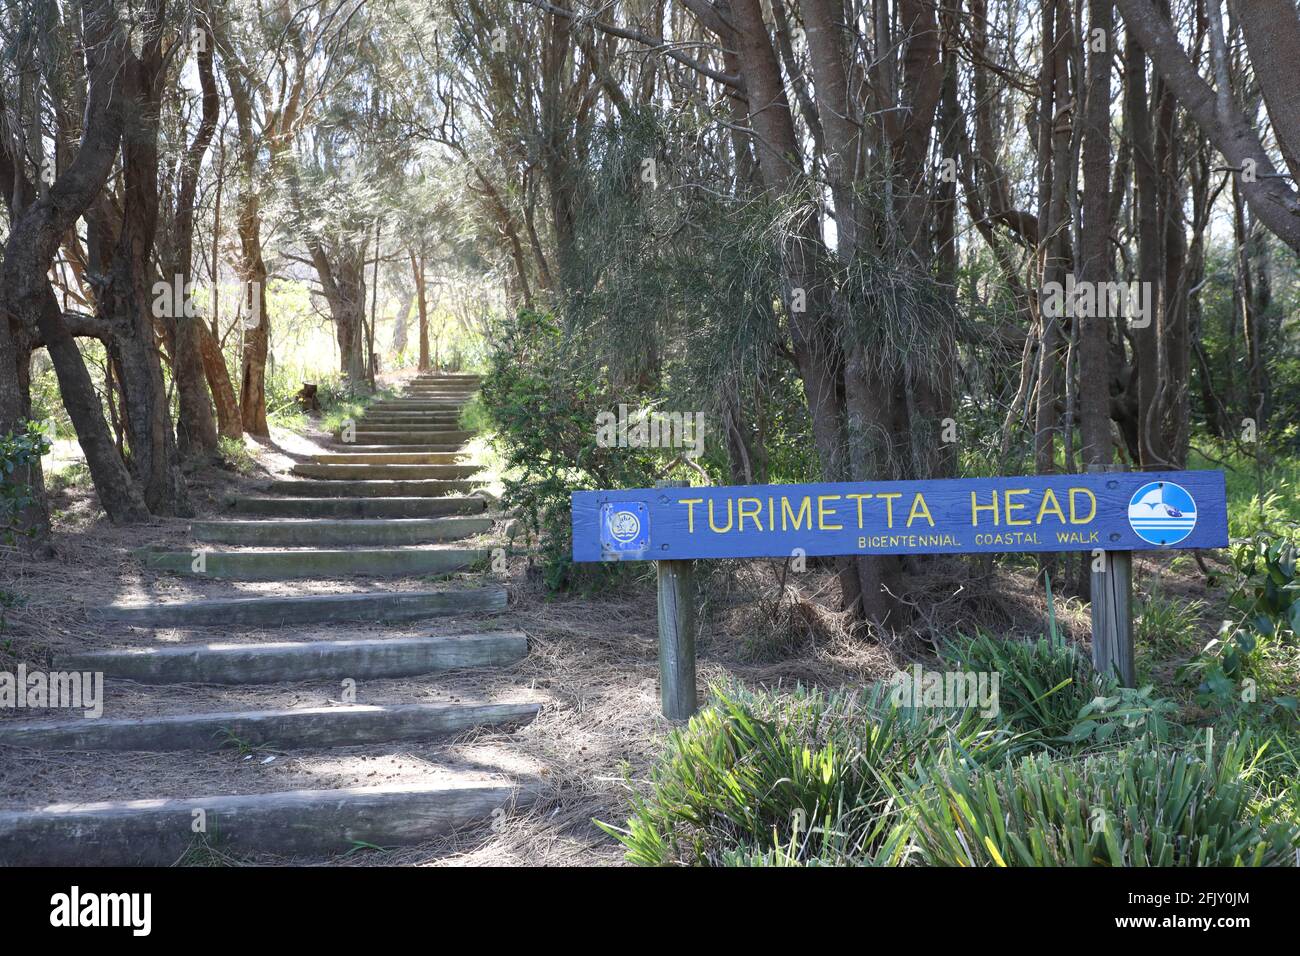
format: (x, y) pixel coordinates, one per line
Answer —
(1161, 512)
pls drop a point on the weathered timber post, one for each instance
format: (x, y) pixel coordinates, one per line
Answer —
(677, 625)
(1112, 610)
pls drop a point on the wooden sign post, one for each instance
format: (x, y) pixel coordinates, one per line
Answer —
(1112, 609)
(677, 626)
(1110, 514)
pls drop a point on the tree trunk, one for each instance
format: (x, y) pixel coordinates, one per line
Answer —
(126, 302)
(196, 428)
(35, 231)
(417, 269)
(1094, 252)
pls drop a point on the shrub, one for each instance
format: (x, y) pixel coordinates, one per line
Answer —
(1266, 606)
(802, 777)
(235, 456)
(1049, 693)
(18, 449)
(1136, 807)
(1042, 684)
(1163, 621)
(543, 413)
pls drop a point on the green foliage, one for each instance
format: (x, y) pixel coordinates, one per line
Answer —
(1163, 621)
(18, 449)
(235, 456)
(1266, 606)
(1049, 693)
(543, 414)
(1043, 684)
(791, 778)
(1135, 807)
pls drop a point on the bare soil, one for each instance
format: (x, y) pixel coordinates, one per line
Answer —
(592, 664)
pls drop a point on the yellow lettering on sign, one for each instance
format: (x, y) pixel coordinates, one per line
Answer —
(919, 510)
(804, 515)
(1092, 511)
(754, 514)
(690, 511)
(1055, 507)
(860, 498)
(1006, 504)
(823, 512)
(889, 505)
(975, 509)
(713, 525)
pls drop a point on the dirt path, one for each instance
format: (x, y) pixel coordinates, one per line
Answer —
(315, 675)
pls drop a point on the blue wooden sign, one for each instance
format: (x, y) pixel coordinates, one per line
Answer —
(1112, 511)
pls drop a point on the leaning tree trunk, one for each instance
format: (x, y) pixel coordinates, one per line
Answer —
(35, 231)
(196, 431)
(126, 302)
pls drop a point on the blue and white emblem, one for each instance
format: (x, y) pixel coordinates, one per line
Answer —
(624, 529)
(1161, 512)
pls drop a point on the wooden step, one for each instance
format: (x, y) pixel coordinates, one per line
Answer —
(356, 507)
(331, 726)
(305, 609)
(269, 663)
(416, 408)
(302, 563)
(371, 436)
(159, 832)
(298, 533)
(443, 448)
(388, 427)
(384, 472)
(388, 458)
(373, 488)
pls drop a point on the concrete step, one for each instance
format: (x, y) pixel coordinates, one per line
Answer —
(417, 404)
(453, 434)
(385, 472)
(269, 663)
(286, 565)
(415, 407)
(409, 413)
(293, 532)
(305, 609)
(388, 458)
(295, 822)
(353, 448)
(418, 419)
(333, 726)
(369, 436)
(374, 488)
(414, 422)
(395, 507)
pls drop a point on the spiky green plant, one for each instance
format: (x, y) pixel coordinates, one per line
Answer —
(1136, 807)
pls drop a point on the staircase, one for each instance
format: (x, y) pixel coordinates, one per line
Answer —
(278, 662)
